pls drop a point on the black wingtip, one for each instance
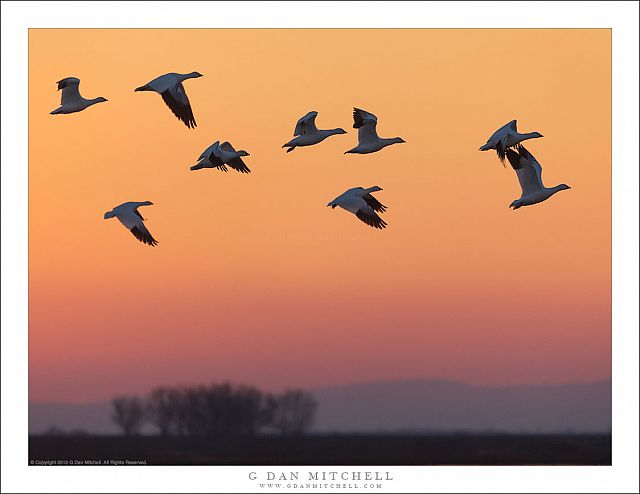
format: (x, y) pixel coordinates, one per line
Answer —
(144, 236)
(514, 159)
(373, 220)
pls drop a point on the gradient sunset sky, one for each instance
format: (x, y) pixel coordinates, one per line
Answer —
(255, 280)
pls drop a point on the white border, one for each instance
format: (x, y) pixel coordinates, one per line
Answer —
(17, 17)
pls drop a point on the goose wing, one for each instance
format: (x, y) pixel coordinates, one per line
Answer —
(236, 163)
(133, 221)
(176, 99)
(498, 138)
(70, 90)
(226, 146)
(141, 233)
(374, 204)
(209, 150)
(358, 206)
(366, 123)
(505, 129)
(306, 125)
(527, 169)
(210, 158)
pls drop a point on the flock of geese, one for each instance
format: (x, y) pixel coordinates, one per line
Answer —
(506, 141)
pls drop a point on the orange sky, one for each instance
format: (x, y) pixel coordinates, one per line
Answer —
(257, 281)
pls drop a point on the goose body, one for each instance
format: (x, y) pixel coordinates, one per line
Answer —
(360, 202)
(506, 137)
(219, 156)
(529, 174)
(368, 139)
(170, 87)
(72, 101)
(127, 213)
(307, 134)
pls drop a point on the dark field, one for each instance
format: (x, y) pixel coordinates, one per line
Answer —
(330, 450)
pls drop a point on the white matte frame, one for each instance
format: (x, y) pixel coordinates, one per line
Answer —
(621, 17)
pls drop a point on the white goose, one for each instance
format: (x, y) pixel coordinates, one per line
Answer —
(360, 202)
(368, 140)
(308, 134)
(170, 87)
(529, 174)
(219, 155)
(505, 137)
(133, 221)
(72, 102)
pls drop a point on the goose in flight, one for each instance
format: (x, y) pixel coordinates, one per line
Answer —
(360, 202)
(133, 221)
(172, 91)
(72, 102)
(529, 174)
(368, 140)
(505, 137)
(308, 134)
(219, 155)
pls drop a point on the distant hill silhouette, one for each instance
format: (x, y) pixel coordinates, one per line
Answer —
(435, 406)
(406, 406)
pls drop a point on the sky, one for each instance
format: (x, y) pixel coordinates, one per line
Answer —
(254, 279)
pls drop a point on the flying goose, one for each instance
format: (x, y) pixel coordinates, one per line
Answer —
(368, 140)
(72, 102)
(219, 155)
(529, 174)
(308, 134)
(133, 221)
(172, 91)
(505, 137)
(360, 202)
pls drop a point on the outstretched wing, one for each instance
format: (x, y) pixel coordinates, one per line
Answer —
(306, 124)
(176, 99)
(374, 204)
(141, 233)
(70, 90)
(361, 117)
(527, 169)
(368, 216)
(358, 206)
(226, 146)
(236, 163)
(209, 150)
(132, 220)
(366, 123)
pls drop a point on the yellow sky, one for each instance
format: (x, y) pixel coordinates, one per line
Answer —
(255, 279)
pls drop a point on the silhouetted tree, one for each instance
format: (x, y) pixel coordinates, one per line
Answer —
(222, 409)
(128, 413)
(291, 412)
(196, 416)
(164, 409)
(217, 409)
(246, 414)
